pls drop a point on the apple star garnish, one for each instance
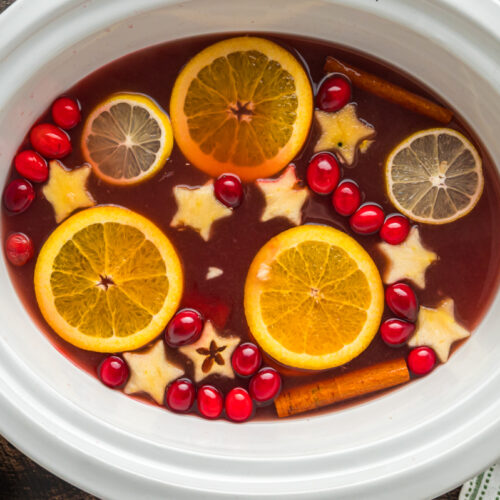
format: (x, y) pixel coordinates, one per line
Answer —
(150, 372)
(198, 208)
(211, 353)
(342, 132)
(66, 190)
(284, 197)
(408, 260)
(437, 328)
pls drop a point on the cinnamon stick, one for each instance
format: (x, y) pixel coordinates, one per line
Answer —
(350, 385)
(389, 91)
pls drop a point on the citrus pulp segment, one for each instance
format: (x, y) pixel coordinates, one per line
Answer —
(108, 280)
(243, 105)
(313, 298)
(127, 138)
(434, 176)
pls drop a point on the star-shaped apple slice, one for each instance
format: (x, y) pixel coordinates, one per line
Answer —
(408, 260)
(198, 208)
(211, 353)
(437, 328)
(150, 372)
(66, 189)
(284, 197)
(342, 132)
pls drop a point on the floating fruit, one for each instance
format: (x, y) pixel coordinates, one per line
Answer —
(346, 198)
(18, 196)
(66, 112)
(210, 401)
(243, 106)
(265, 385)
(127, 139)
(323, 173)
(402, 301)
(395, 229)
(31, 165)
(238, 405)
(246, 359)
(313, 298)
(184, 328)
(181, 395)
(113, 371)
(367, 219)
(228, 190)
(395, 332)
(434, 176)
(421, 360)
(19, 248)
(50, 141)
(107, 280)
(334, 93)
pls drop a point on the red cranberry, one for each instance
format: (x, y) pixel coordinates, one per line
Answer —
(395, 229)
(238, 405)
(66, 112)
(395, 332)
(265, 385)
(18, 196)
(32, 166)
(402, 301)
(209, 401)
(180, 395)
(228, 190)
(19, 249)
(334, 93)
(367, 219)
(113, 371)
(421, 360)
(346, 198)
(323, 173)
(50, 141)
(184, 328)
(246, 359)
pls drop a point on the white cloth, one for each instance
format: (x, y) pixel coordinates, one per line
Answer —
(486, 486)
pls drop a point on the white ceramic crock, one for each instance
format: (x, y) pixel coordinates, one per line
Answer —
(414, 443)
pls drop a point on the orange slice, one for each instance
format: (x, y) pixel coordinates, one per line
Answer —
(243, 105)
(108, 280)
(313, 298)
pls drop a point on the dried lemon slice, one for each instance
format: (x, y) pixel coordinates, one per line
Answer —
(434, 176)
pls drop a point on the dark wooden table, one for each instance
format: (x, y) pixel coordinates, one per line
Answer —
(21, 478)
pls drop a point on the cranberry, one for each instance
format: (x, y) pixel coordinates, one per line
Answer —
(66, 112)
(334, 93)
(50, 141)
(228, 190)
(180, 395)
(265, 385)
(323, 173)
(209, 401)
(402, 301)
(113, 371)
(395, 332)
(184, 328)
(367, 219)
(246, 359)
(238, 405)
(395, 229)
(32, 166)
(19, 249)
(18, 195)
(346, 198)
(421, 360)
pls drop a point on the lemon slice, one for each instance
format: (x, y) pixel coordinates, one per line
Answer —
(127, 139)
(243, 105)
(107, 280)
(434, 176)
(313, 298)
